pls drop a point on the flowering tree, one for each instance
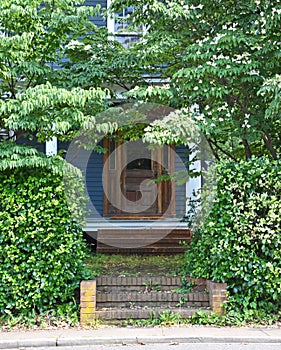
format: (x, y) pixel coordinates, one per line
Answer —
(39, 98)
(222, 56)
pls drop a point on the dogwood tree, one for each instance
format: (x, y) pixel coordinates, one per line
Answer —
(37, 95)
(221, 56)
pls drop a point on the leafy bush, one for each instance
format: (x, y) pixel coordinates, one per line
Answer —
(240, 242)
(41, 260)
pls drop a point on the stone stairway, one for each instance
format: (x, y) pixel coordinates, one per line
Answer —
(120, 298)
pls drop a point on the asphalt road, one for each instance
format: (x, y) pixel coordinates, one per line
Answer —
(172, 346)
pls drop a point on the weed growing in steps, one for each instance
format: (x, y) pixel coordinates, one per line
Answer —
(168, 318)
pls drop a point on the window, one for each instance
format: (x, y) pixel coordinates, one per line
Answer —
(112, 155)
(119, 26)
(120, 21)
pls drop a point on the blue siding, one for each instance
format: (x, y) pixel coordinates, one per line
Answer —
(63, 146)
(93, 175)
(41, 147)
(92, 162)
(94, 180)
(99, 21)
(182, 152)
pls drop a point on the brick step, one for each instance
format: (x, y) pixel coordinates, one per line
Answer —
(144, 289)
(133, 289)
(149, 291)
(144, 281)
(107, 284)
(138, 302)
(139, 314)
(150, 299)
(148, 304)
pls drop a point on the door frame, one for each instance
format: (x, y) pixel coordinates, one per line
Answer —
(166, 190)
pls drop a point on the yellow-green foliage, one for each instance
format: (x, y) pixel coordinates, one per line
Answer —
(240, 242)
(42, 250)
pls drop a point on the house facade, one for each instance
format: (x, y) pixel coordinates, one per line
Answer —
(124, 186)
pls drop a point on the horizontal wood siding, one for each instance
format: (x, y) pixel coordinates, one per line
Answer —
(93, 174)
(100, 21)
(182, 152)
(40, 146)
(94, 180)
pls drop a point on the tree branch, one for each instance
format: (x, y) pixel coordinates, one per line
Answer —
(223, 151)
(30, 81)
(268, 143)
(215, 153)
(231, 100)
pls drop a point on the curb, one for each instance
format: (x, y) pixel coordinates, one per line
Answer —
(60, 342)
(165, 340)
(25, 343)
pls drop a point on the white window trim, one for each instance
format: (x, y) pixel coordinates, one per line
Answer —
(52, 147)
(111, 25)
(110, 20)
(193, 185)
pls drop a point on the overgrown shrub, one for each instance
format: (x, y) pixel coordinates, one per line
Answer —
(240, 242)
(42, 249)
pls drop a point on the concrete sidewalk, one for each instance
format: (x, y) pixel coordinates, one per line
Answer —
(115, 335)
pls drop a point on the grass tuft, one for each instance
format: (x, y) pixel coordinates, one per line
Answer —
(135, 265)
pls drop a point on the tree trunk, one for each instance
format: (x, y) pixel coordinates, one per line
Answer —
(248, 151)
(268, 143)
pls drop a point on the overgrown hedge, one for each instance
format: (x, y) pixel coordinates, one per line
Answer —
(42, 249)
(240, 242)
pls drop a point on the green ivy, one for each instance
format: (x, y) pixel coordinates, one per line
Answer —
(240, 242)
(41, 260)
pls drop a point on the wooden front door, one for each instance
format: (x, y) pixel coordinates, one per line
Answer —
(129, 171)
